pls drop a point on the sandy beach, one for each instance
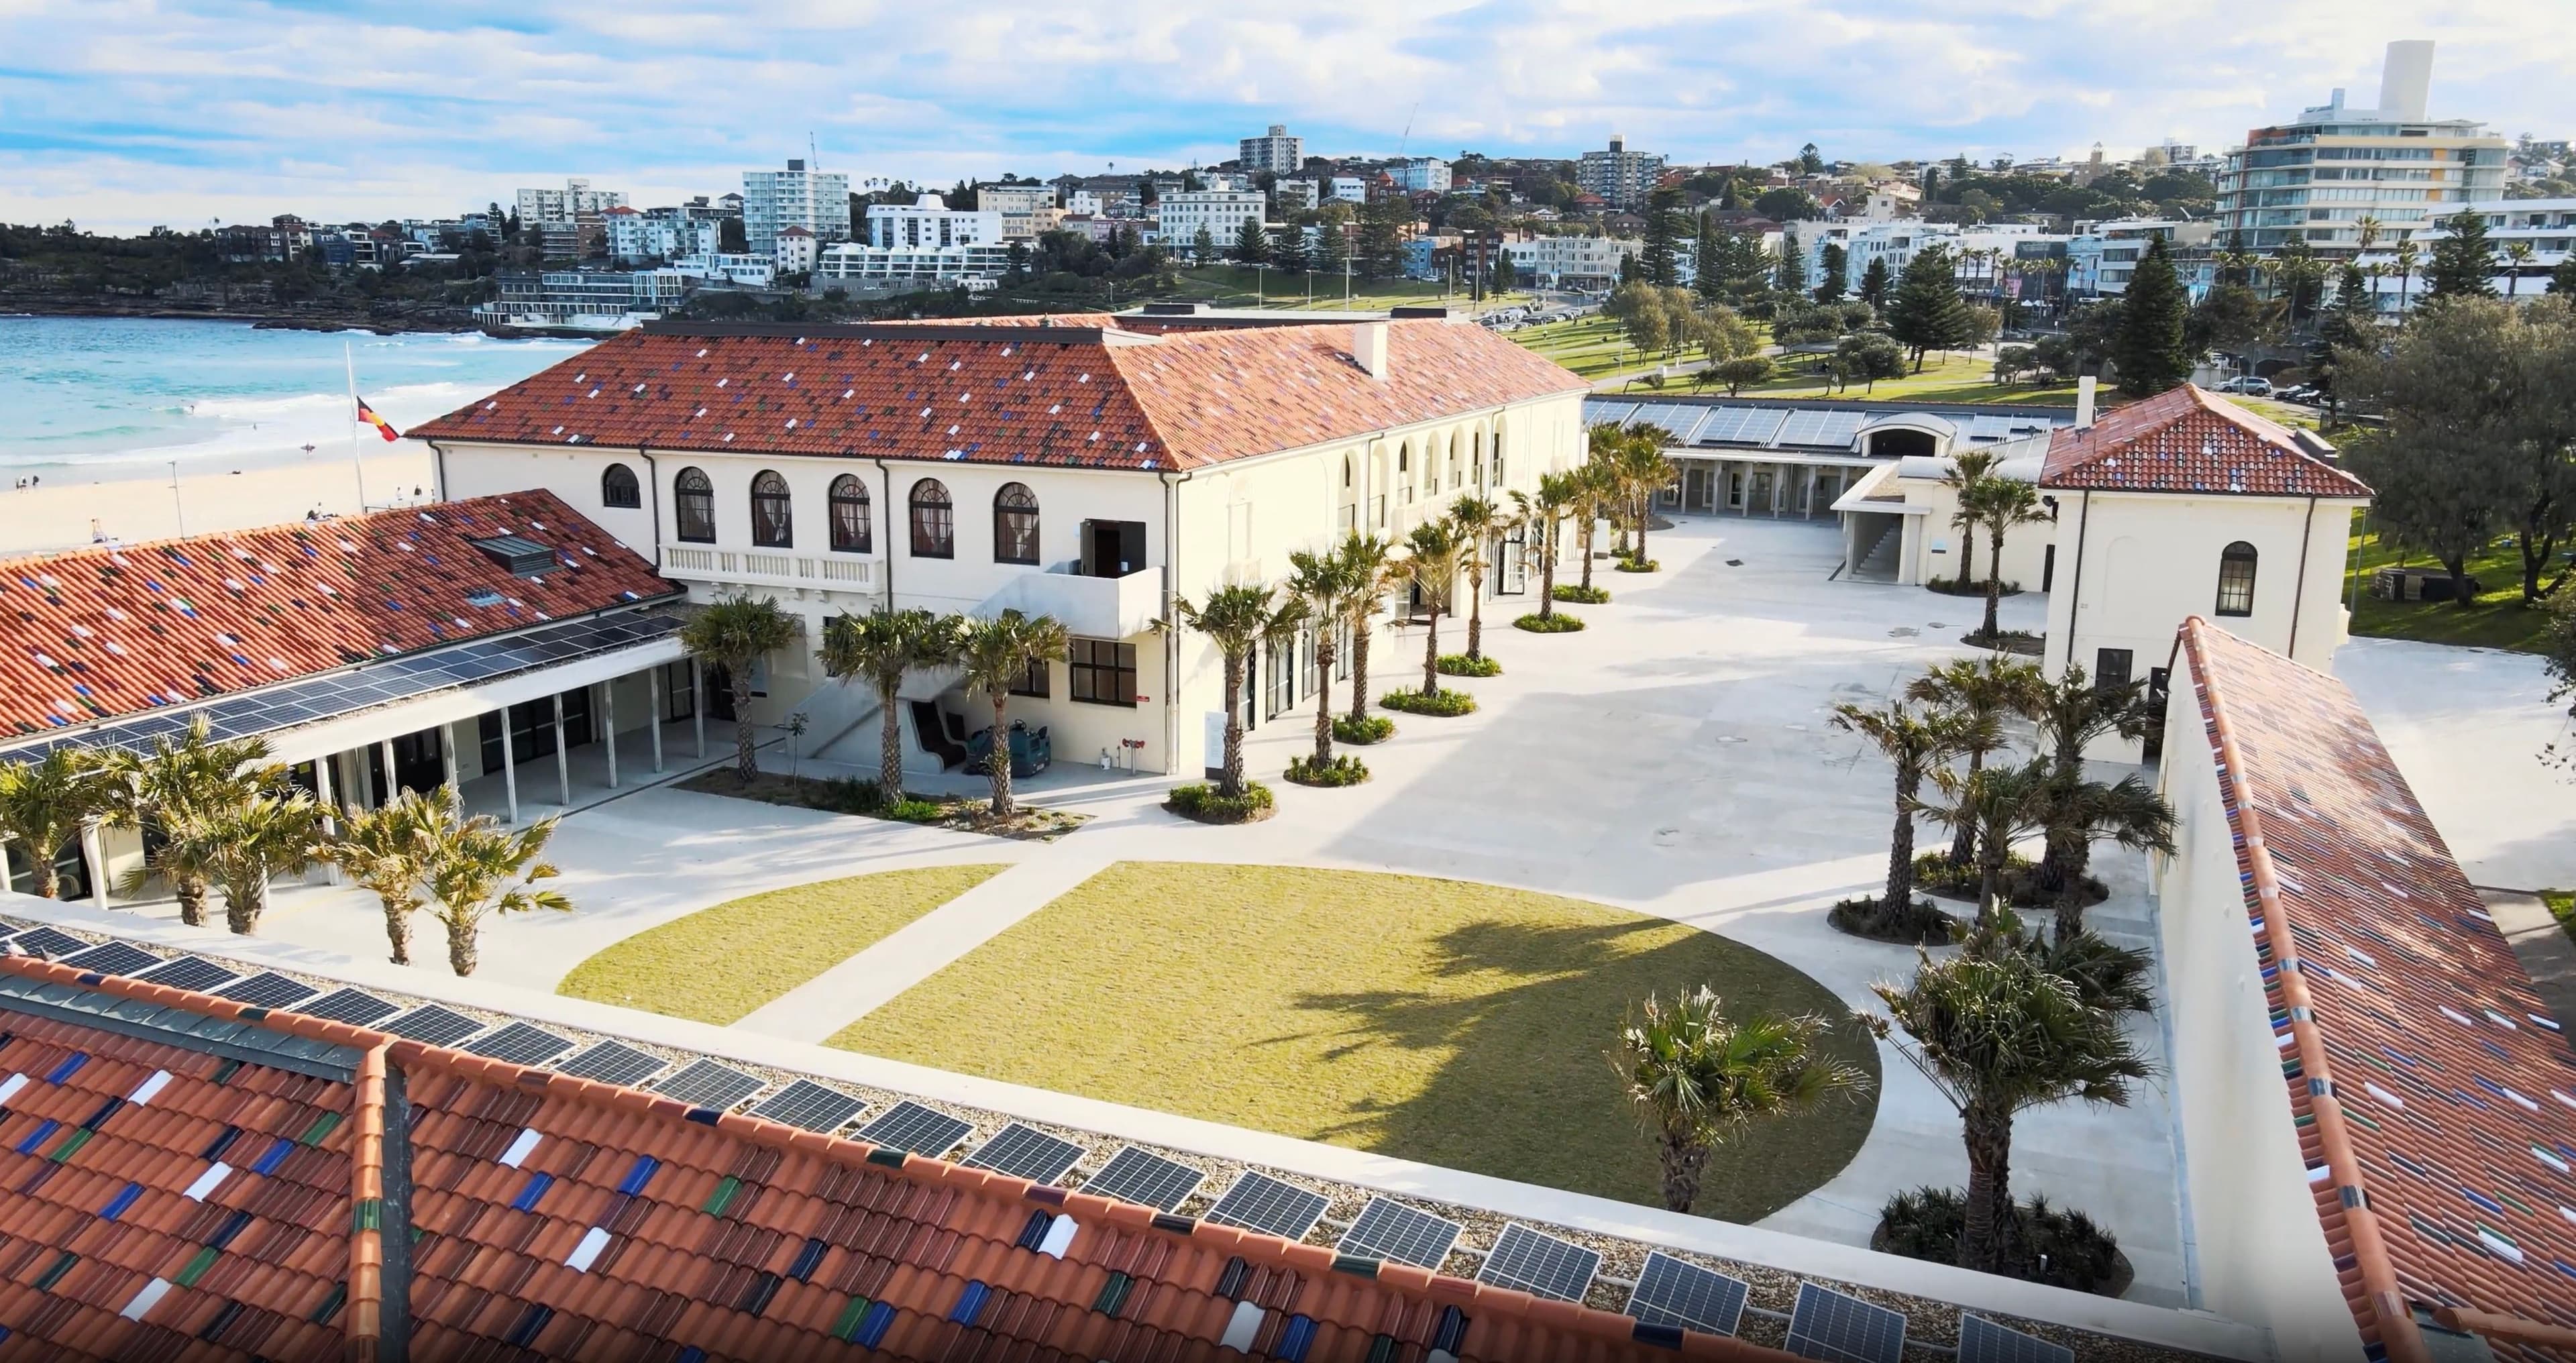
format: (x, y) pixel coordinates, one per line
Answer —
(126, 503)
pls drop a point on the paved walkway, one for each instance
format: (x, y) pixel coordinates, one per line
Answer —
(2542, 943)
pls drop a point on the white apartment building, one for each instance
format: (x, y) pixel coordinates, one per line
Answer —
(924, 266)
(2101, 256)
(564, 205)
(659, 234)
(739, 268)
(1025, 209)
(1081, 203)
(795, 251)
(2316, 178)
(1977, 253)
(1421, 175)
(815, 200)
(1293, 196)
(1274, 151)
(1570, 262)
(1619, 175)
(2546, 226)
(1223, 212)
(928, 222)
(600, 299)
(1350, 189)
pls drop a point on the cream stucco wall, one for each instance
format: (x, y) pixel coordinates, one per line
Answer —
(1933, 545)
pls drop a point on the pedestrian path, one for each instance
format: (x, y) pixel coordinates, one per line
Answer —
(817, 1009)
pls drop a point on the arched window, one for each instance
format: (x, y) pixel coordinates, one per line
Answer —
(851, 523)
(772, 525)
(617, 487)
(1015, 524)
(693, 502)
(2236, 579)
(1346, 470)
(934, 521)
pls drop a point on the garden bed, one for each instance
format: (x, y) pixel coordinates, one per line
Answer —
(1200, 802)
(1577, 594)
(1460, 665)
(860, 799)
(1557, 622)
(1948, 586)
(1921, 923)
(1630, 565)
(2044, 1245)
(1362, 733)
(1442, 704)
(1343, 770)
(2015, 641)
(1935, 874)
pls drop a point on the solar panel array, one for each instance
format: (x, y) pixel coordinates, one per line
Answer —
(1539, 1264)
(1983, 1341)
(1274, 1207)
(1025, 1152)
(1387, 1229)
(1826, 429)
(355, 1007)
(1843, 1329)
(1146, 1179)
(432, 1025)
(809, 1106)
(188, 972)
(1677, 419)
(614, 1062)
(1671, 1292)
(51, 943)
(112, 958)
(706, 1083)
(520, 1044)
(916, 1130)
(1616, 413)
(268, 989)
(1740, 426)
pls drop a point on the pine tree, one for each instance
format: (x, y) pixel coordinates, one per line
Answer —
(1712, 279)
(2563, 279)
(2347, 325)
(1834, 261)
(1925, 312)
(1789, 269)
(1288, 250)
(2149, 349)
(1663, 223)
(1252, 245)
(1202, 246)
(1873, 283)
(1332, 246)
(2463, 264)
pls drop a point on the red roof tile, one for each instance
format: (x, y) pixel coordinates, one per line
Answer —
(2453, 1106)
(96, 633)
(2190, 440)
(1090, 396)
(630, 1227)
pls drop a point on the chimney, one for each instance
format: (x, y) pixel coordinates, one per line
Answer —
(1368, 348)
(2406, 80)
(2084, 402)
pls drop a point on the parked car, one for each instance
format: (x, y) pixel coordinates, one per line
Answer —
(2306, 394)
(2249, 386)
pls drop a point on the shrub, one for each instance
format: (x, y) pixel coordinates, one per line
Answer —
(2043, 1245)
(1915, 924)
(1374, 729)
(912, 810)
(1343, 770)
(1559, 623)
(2019, 641)
(1637, 565)
(1460, 665)
(1949, 586)
(1935, 874)
(1581, 595)
(1201, 801)
(1444, 703)
(845, 795)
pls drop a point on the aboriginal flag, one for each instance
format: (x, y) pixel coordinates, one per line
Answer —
(383, 427)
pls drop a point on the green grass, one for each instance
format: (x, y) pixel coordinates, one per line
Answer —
(1590, 346)
(718, 964)
(1436, 1020)
(2562, 906)
(2497, 619)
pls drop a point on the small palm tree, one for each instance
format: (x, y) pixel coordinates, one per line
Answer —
(1997, 1033)
(1969, 470)
(1431, 555)
(1324, 587)
(996, 654)
(2081, 813)
(1370, 560)
(2517, 256)
(270, 834)
(1915, 743)
(1980, 691)
(1238, 619)
(1699, 1078)
(1596, 492)
(1557, 497)
(175, 787)
(881, 648)
(43, 803)
(1479, 523)
(1993, 808)
(2002, 504)
(2069, 714)
(735, 633)
(479, 869)
(387, 850)
(1641, 471)
(2407, 255)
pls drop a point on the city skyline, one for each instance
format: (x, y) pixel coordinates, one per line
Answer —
(128, 115)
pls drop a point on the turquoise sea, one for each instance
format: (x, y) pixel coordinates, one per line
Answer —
(96, 390)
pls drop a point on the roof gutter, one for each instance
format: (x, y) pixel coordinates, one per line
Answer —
(653, 477)
(885, 480)
(2299, 588)
(438, 468)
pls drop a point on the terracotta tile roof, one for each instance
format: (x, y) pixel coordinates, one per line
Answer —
(101, 632)
(2191, 440)
(1093, 396)
(2437, 1097)
(555, 1217)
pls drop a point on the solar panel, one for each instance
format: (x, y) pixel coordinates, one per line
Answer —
(1539, 1264)
(1740, 426)
(1260, 1202)
(810, 1106)
(435, 1025)
(1146, 1179)
(353, 1006)
(1616, 413)
(1831, 429)
(520, 1044)
(1829, 1325)
(915, 1130)
(1983, 1341)
(1387, 1229)
(113, 958)
(1026, 1152)
(614, 1062)
(51, 943)
(704, 1083)
(1670, 1292)
(1675, 418)
(268, 989)
(188, 972)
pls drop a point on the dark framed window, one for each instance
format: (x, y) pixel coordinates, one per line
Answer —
(1015, 524)
(851, 523)
(934, 521)
(1102, 672)
(617, 487)
(2113, 666)
(773, 522)
(693, 503)
(1034, 681)
(2236, 579)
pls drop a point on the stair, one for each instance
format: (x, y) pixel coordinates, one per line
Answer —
(1877, 561)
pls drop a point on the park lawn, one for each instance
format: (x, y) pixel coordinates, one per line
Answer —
(1443, 1021)
(718, 964)
(1946, 377)
(1590, 346)
(2497, 620)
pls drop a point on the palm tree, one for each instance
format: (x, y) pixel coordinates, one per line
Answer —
(735, 633)
(175, 788)
(43, 803)
(2406, 257)
(1431, 555)
(2069, 714)
(996, 655)
(1595, 492)
(254, 842)
(1556, 499)
(478, 869)
(1980, 691)
(1479, 523)
(2080, 813)
(1914, 744)
(2517, 255)
(1239, 619)
(2367, 233)
(1966, 480)
(1324, 587)
(1370, 561)
(387, 850)
(1992, 809)
(1997, 1034)
(883, 646)
(1699, 1078)
(1641, 471)
(2003, 504)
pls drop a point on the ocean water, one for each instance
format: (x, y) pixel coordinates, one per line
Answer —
(106, 395)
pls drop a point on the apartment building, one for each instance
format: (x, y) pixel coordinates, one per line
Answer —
(563, 205)
(742, 269)
(1978, 254)
(1622, 178)
(1294, 196)
(928, 222)
(1223, 212)
(2316, 178)
(1026, 209)
(2547, 227)
(794, 251)
(658, 234)
(1350, 189)
(2101, 256)
(284, 238)
(927, 265)
(815, 200)
(601, 299)
(1274, 151)
(1421, 175)
(1570, 262)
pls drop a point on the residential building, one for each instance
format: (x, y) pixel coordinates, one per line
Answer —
(2316, 178)
(1622, 178)
(795, 251)
(1274, 151)
(1022, 208)
(1293, 196)
(1977, 253)
(926, 265)
(1570, 262)
(2546, 226)
(1421, 175)
(928, 222)
(1033, 477)
(815, 200)
(1350, 189)
(565, 204)
(600, 299)
(1223, 212)
(1082, 203)
(742, 269)
(286, 237)
(2101, 256)
(660, 234)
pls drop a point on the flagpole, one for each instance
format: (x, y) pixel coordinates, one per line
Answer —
(357, 452)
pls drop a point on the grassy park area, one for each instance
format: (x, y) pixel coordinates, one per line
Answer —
(2497, 619)
(1437, 1020)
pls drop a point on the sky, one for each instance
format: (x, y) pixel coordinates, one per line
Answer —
(122, 114)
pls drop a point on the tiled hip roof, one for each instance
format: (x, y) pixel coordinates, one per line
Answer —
(2189, 440)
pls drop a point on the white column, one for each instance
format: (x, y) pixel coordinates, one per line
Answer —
(653, 725)
(698, 703)
(447, 754)
(393, 787)
(608, 726)
(509, 765)
(563, 758)
(94, 860)
(330, 811)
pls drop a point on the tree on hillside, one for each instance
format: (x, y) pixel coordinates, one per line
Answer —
(1659, 261)
(1712, 279)
(1832, 261)
(2350, 323)
(1926, 312)
(1381, 237)
(1252, 245)
(1866, 357)
(1874, 282)
(1202, 245)
(2463, 263)
(2152, 350)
